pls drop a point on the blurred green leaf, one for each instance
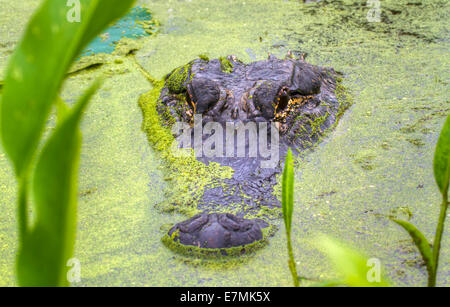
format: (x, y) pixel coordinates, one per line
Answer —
(38, 66)
(62, 109)
(33, 79)
(352, 266)
(49, 244)
(442, 159)
(288, 191)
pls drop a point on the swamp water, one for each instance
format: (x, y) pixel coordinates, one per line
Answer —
(377, 163)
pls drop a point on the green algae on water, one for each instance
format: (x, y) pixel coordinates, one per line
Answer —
(203, 57)
(226, 65)
(177, 80)
(137, 23)
(390, 69)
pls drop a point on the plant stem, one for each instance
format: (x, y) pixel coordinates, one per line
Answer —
(292, 265)
(437, 240)
(22, 209)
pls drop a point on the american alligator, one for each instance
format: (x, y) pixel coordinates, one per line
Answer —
(276, 104)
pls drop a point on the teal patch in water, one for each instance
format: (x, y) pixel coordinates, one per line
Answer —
(137, 23)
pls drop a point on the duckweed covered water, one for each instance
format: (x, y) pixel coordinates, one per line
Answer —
(137, 23)
(376, 164)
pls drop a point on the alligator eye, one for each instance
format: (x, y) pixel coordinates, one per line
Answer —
(287, 102)
(282, 100)
(202, 94)
(306, 80)
(191, 104)
(266, 99)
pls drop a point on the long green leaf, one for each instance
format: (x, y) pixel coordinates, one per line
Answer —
(288, 208)
(442, 159)
(421, 243)
(288, 191)
(38, 66)
(49, 244)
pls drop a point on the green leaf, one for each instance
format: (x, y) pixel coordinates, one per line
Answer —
(38, 67)
(49, 244)
(351, 265)
(421, 242)
(288, 191)
(442, 159)
(62, 110)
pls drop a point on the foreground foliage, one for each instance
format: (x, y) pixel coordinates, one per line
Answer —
(430, 254)
(352, 266)
(288, 208)
(48, 177)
